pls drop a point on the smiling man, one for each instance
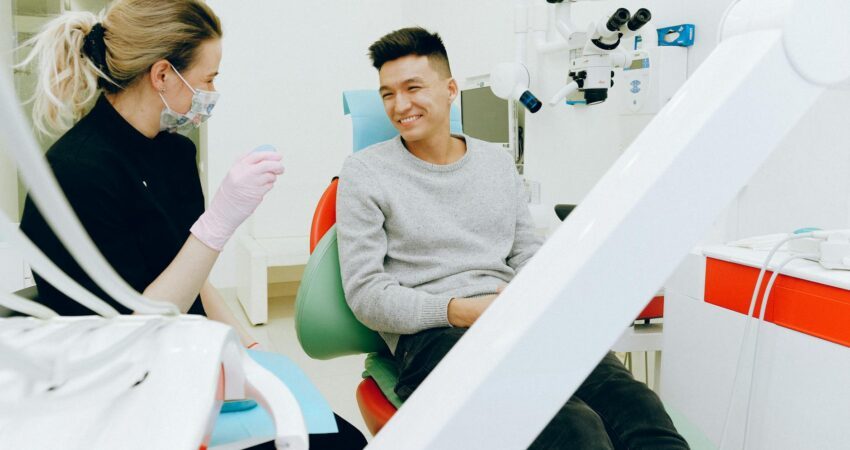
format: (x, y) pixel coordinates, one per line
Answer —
(432, 225)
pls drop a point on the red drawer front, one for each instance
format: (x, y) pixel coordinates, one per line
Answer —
(805, 306)
(654, 310)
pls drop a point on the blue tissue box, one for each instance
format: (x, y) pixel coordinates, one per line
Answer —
(676, 36)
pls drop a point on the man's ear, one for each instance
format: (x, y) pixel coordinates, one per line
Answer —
(453, 90)
(158, 74)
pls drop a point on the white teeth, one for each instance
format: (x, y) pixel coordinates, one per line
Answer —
(409, 119)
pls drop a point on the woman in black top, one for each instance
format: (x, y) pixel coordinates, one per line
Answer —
(120, 86)
(134, 186)
(136, 196)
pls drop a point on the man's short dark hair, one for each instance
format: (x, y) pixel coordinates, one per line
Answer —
(411, 41)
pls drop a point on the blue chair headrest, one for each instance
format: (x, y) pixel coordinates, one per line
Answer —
(369, 121)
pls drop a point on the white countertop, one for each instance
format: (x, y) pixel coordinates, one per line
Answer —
(801, 268)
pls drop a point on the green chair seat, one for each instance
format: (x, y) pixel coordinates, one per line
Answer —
(384, 370)
(324, 324)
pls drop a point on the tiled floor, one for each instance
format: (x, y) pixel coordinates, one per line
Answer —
(337, 379)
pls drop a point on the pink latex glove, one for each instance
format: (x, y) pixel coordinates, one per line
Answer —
(238, 196)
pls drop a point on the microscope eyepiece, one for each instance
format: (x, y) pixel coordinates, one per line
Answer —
(641, 17)
(618, 19)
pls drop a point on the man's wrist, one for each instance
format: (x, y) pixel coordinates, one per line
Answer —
(455, 312)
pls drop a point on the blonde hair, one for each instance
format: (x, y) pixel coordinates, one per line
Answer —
(133, 35)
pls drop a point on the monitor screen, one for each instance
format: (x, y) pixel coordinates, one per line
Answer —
(484, 115)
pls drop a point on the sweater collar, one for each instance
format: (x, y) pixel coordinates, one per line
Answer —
(410, 157)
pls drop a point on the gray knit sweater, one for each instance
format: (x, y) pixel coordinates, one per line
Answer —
(412, 235)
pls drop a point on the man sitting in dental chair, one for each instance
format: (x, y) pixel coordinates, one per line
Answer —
(432, 225)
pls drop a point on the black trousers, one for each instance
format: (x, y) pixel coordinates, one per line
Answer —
(610, 410)
(347, 438)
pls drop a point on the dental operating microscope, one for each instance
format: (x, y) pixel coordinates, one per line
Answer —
(595, 53)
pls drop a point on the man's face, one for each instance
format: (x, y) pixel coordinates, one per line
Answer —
(417, 98)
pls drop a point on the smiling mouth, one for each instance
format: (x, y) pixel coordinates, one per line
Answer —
(409, 119)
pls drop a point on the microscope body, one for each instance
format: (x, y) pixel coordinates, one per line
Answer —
(595, 53)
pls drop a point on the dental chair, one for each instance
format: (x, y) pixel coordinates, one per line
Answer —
(325, 325)
(327, 329)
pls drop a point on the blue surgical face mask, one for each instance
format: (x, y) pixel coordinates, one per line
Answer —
(201, 109)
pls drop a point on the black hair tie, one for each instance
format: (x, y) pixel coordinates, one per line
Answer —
(94, 46)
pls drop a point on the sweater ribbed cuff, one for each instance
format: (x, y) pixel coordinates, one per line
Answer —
(434, 312)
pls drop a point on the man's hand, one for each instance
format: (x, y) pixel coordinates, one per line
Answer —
(463, 312)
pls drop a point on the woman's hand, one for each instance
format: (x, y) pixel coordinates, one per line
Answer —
(238, 196)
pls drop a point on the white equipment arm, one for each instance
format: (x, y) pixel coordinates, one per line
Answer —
(53, 274)
(245, 378)
(57, 212)
(290, 428)
(533, 347)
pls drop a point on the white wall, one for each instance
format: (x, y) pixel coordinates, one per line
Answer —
(477, 33)
(284, 68)
(805, 182)
(286, 63)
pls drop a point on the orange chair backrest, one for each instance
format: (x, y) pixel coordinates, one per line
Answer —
(325, 216)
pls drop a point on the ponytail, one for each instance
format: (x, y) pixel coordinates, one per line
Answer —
(67, 82)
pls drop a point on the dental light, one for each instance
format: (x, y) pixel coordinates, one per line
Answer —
(510, 81)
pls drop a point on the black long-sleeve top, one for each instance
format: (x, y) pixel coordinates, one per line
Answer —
(136, 197)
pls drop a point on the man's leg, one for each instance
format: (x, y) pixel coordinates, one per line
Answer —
(632, 413)
(576, 426)
(418, 354)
